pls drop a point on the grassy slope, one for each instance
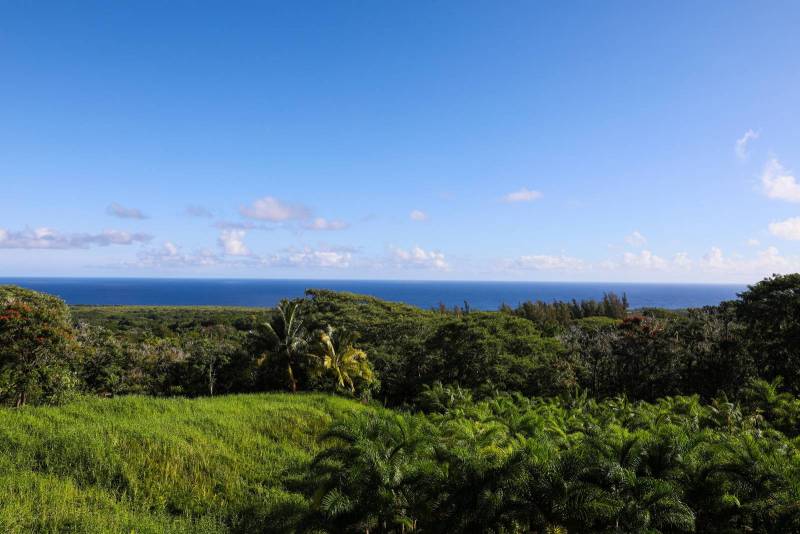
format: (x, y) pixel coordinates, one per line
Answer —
(140, 464)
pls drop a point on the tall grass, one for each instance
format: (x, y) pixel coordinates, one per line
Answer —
(139, 464)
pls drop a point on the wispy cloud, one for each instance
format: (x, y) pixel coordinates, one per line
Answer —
(418, 215)
(194, 210)
(779, 183)
(743, 142)
(522, 195)
(325, 257)
(118, 210)
(636, 239)
(543, 262)
(47, 238)
(320, 223)
(273, 210)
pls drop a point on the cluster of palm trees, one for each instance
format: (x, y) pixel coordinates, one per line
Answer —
(514, 465)
(301, 352)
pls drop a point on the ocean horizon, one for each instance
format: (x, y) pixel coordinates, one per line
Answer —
(482, 295)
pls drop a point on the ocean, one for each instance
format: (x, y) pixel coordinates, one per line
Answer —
(479, 295)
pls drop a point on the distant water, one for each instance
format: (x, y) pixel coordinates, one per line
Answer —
(479, 295)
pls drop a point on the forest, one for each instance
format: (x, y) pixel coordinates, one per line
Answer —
(344, 413)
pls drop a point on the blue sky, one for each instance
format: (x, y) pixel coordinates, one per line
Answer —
(633, 141)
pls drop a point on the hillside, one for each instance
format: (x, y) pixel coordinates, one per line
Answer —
(137, 464)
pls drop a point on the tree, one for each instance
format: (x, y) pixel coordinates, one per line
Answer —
(286, 340)
(338, 357)
(103, 360)
(366, 479)
(770, 313)
(37, 347)
(208, 353)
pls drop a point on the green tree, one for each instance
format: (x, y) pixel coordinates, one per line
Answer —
(103, 360)
(286, 340)
(770, 313)
(366, 480)
(209, 351)
(340, 359)
(37, 347)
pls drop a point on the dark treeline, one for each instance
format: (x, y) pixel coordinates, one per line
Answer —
(309, 344)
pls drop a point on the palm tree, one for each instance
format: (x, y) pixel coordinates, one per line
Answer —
(339, 357)
(286, 338)
(367, 476)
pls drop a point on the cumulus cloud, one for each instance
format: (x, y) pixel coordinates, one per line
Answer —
(743, 141)
(418, 215)
(788, 229)
(523, 195)
(643, 260)
(636, 239)
(779, 183)
(753, 242)
(421, 258)
(273, 210)
(194, 210)
(326, 257)
(321, 223)
(47, 238)
(550, 263)
(232, 242)
(682, 260)
(767, 261)
(118, 210)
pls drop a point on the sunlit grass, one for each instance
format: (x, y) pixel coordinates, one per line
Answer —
(158, 465)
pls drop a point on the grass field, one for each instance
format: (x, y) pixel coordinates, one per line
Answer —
(138, 464)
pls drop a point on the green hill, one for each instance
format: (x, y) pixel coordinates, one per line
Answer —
(138, 464)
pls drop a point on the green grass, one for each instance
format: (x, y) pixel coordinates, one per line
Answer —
(138, 464)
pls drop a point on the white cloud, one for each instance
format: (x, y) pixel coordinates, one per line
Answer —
(325, 224)
(742, 142)
(636, 239)
(548, 263)
(523, 195)
(170, 248)
(309, 257)
(753, 242)
(232, 242)
(682, 260)
(417, 215)
(779, 183)
(766, 262)
(788, 229)
(418, 257)
(272, 209)
(118, 210)
(47, 238)
(643, 260)
(194, 210)
(715, 259)
(170, 256)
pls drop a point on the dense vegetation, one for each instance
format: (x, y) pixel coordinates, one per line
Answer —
(547, 417)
